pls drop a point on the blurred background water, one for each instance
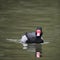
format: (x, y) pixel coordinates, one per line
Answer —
(19, 16)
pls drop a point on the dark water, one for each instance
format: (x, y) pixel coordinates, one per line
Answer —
(19, 16)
